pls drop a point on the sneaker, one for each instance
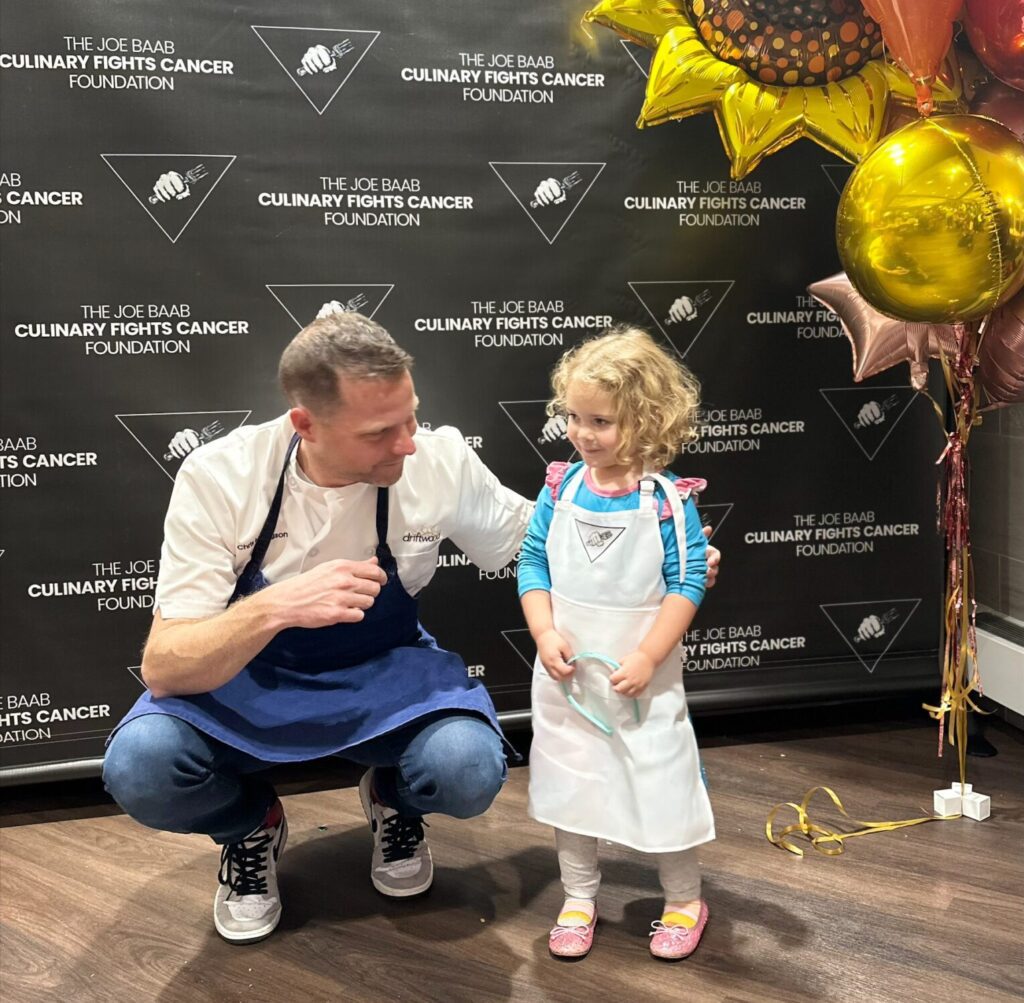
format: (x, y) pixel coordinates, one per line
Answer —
(573, 942)
(401, 864)
(247, 906)
(674, 943)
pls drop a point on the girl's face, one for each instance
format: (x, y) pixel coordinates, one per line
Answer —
(593, 428)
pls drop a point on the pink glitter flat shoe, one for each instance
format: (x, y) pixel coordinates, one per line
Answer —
(573, 942)
(674, 943)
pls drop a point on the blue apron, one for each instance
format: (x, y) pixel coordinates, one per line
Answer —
(314, 692)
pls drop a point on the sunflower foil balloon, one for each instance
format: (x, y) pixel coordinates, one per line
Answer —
(771, 71)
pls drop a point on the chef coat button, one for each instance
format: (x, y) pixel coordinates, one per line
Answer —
(370, 551)
(314, 552)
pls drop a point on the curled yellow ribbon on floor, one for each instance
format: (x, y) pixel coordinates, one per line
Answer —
(818, 835)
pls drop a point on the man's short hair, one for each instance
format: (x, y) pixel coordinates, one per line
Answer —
(341, 345)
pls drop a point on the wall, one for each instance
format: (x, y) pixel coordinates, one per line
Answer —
(997, 510)
(396, 172)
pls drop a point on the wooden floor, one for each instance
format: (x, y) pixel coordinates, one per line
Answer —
(94, 907)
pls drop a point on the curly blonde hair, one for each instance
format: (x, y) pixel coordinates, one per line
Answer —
(656, 397)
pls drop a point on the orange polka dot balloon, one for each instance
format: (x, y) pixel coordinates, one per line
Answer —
(789, 43)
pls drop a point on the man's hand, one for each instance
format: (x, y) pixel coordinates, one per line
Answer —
(714, 558)
(333, 592)
(554, 652)
(634, 676)
(170, 186)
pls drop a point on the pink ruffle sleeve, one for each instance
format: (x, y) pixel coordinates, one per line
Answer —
(686, 486)
(554, 476)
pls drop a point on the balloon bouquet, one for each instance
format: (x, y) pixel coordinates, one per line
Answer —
(930, 225)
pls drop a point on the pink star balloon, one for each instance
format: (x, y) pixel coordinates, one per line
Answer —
(878, 341)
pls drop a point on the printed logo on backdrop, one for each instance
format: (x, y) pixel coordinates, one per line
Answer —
(318, 61)
(640, 56)
(681, 310)
(870, 628)
(306, 303)
(547, 436)
(838, 175)
(597, 539)
(549, 193)
(136, 672)
(168, 437)
(869, 414)
(171, 187)
(714, 516)
(522, 644)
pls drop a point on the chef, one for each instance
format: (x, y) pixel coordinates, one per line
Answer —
(285, 625)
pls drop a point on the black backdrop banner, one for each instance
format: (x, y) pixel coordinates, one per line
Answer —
(183, 187)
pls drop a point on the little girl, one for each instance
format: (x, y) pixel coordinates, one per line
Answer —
(610, 577)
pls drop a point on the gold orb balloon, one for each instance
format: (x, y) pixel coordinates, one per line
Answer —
(931, 223)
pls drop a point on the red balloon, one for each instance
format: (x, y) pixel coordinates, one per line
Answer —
(996, 31)
(1001, 102)
(918, 33)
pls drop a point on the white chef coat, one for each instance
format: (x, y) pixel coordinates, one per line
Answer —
(224, 489)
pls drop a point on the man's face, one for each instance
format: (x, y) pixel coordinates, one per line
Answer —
(366, 439)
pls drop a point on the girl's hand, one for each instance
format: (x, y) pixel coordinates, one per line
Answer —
(634, 675)
(553, 650)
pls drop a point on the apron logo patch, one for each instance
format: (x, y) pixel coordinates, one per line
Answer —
(597, 539)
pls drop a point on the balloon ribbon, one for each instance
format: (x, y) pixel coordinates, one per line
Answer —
(960, 676)
(819, 835)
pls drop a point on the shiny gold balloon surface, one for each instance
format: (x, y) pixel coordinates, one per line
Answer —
(642, 21)
(931, 223)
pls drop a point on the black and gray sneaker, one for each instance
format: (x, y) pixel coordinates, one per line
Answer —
(401, 864)
(247, 906)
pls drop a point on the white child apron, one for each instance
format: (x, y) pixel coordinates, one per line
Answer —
(640, 786)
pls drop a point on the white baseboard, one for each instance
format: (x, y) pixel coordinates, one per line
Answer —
(1001, 665)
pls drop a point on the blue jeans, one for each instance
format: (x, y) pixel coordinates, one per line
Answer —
(170, 776)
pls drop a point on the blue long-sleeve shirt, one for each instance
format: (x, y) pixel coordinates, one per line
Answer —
(533, 560)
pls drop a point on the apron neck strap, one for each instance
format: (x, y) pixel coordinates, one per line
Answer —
(382, 523)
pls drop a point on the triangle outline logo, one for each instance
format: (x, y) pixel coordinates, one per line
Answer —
(884, 614)
(351, 298)
(685, 301)
(895, 401)
(596, 539)
(566, 177)
(343, 53)
(212, 425)
(195, 174)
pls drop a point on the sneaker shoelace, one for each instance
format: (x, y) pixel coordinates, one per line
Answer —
(401, 838)
(243, 865)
